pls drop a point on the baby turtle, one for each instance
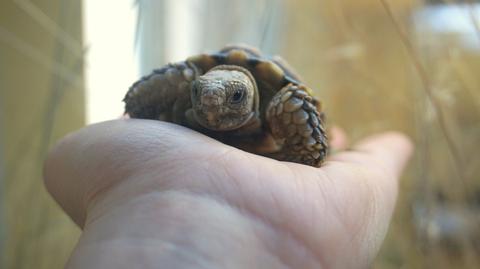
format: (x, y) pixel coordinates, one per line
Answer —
(239, 97)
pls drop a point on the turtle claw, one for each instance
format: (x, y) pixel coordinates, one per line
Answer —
(297, 126)
(162, 95)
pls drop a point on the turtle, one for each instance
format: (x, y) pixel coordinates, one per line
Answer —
(240, 97)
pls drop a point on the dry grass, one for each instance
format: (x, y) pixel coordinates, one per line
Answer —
(376, 70)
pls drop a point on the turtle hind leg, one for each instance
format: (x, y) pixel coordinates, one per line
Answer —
(162, 95)
(297, 125)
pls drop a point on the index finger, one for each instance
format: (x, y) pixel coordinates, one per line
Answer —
(388, 151)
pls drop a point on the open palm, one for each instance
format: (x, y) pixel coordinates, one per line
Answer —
(150, 194)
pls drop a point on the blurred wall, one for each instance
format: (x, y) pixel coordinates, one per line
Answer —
(171, 30)
(41, 99)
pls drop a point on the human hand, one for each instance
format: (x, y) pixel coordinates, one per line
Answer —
(149, 194)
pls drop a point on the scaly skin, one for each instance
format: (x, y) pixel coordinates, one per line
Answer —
(162, 95)
(296, 123)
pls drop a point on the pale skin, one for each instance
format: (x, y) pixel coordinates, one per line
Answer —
(150, 194)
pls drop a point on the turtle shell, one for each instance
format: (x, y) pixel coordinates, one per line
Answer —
(289, 125)
(271, 75)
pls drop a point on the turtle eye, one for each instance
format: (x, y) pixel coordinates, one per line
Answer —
(237, 97)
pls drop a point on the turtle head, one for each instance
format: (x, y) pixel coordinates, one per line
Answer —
(225, 98)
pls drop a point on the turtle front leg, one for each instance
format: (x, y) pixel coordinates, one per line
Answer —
(163, 95)
(297, 126)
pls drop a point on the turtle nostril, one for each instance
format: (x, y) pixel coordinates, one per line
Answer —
(211, 100)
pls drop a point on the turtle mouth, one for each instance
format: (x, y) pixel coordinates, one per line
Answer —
(211, 120)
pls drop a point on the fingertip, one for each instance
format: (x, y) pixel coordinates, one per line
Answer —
(339, 139)
(398, 138)
(391, 140)
(388, 152)
(391, 148)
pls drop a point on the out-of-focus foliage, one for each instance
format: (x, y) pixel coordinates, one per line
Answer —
(41, 99)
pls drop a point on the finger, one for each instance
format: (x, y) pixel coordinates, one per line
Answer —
(388, 151)
(338, 139)
(365, 184)
(384, 157)
(392, 149)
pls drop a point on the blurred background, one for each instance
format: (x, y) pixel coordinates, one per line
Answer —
(408, 65)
